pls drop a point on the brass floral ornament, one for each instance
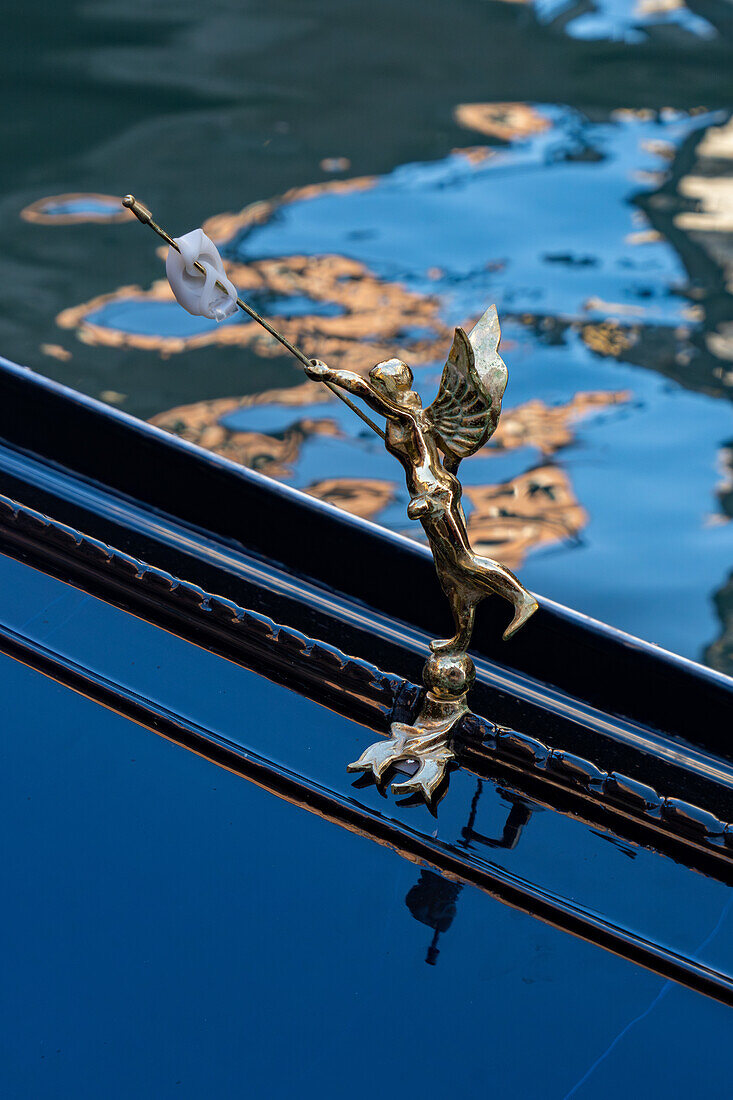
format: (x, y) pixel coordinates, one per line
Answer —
(430, 445)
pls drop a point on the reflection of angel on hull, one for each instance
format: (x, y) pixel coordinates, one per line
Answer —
(463, 416)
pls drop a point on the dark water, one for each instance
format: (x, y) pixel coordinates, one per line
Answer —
(572, 163)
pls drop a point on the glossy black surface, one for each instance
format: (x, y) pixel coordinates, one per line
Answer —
(699, 834)
(296, 751)
(174, 930)
(196, 885)
(690, 783)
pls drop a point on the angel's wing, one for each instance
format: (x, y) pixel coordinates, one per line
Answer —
(466, 410)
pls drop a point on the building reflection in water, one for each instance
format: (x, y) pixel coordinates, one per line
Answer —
(505, 520)
(534, 509)
(606, 245)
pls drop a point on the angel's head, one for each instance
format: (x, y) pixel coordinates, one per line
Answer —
(394, 379)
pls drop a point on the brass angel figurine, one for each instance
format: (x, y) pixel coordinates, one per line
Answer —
(461, 419)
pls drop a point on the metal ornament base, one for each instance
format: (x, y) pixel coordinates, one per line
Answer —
(428, 743)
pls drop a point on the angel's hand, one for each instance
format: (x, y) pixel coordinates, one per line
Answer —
(318, 370)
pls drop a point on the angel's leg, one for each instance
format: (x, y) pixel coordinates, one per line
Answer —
(497, 578)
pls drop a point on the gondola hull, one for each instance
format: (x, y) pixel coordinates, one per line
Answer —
(189, 665)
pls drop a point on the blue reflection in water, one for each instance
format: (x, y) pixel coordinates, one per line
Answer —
(86, 204)
(617, 19)
(521, 209)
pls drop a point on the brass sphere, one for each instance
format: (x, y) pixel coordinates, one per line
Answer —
(449, 675)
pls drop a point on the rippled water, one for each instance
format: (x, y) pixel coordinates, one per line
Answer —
(376, 174)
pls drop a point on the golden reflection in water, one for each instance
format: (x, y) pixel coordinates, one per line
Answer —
(506, 520)
(55, 351)
(657, 7)
(372, 315)
(536, 508)
(547, 428)
(42, 211)
(607, 338)
(275, 455)
(710, 184)
(371, 312)
(506, 121)
(643, 236)
(364, 497)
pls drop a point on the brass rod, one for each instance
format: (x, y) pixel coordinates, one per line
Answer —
(143, 215)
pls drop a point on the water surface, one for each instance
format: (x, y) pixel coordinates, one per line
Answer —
(376, 174)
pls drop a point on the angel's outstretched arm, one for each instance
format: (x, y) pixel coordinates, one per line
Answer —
(353, 383)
